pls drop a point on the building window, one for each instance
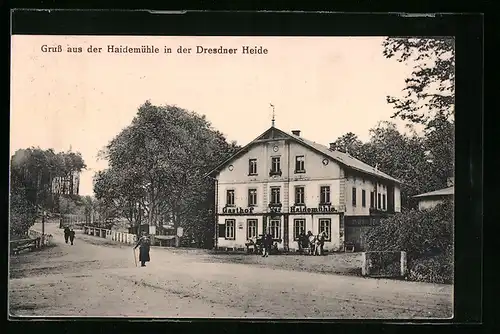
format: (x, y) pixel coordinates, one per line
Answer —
(325, 225)
(274, 227)
(363, 198)
(378, 201)
(230, 198)
(300, 164)
(230, 229)
(299, 225)
(324, 194)
(383, 202)
(299, 196)
(372, 199)
(252, 197)
(251, 228)
(275, 195)
(252, 167)
(353, 196)
(275, 165)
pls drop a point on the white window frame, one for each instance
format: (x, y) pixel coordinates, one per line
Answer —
(303, 202)
(252, 164)
(328, 229)
(275, 167)
(252, 191)
(254, 228)
(327, 192)
(230, 226)
(273, 195)
(298, 225)
(275, 228)
(301, 161)
(228, 191)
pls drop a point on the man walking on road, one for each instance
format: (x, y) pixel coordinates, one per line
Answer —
(144, 244)
(71, 236)
(267, 243)
(66, 234)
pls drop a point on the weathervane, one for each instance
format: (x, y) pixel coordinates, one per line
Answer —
(272, 106)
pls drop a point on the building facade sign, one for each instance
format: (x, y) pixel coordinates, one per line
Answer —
(319, 209)
(237, 210)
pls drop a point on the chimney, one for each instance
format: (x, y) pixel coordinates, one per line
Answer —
(296, 133)
(332, 146)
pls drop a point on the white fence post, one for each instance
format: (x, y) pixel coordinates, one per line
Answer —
(403, 264)
(364, 267)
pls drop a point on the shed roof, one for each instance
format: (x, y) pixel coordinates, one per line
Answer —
(441, 192)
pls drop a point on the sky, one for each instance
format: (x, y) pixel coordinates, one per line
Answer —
(323, 86)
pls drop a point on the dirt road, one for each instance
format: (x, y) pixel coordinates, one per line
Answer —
(92, 278)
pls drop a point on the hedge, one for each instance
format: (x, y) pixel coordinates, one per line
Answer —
(427, 238)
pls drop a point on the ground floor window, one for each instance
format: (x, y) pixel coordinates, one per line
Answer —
(251, 228)
(325, 225)
(274, 228)
(299, 225)
(230, 228)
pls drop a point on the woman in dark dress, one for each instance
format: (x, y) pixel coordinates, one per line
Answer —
(144, 244)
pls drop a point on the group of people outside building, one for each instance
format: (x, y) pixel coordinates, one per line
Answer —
(265, 243)
(313, 243)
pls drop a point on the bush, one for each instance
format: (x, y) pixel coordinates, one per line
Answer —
(426, 236)
(21, 215)
(418, 233)
(435, 269)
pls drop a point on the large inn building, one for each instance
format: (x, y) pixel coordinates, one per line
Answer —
(285, 183)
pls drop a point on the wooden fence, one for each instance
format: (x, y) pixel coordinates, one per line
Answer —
(34, 241)
(122, 237)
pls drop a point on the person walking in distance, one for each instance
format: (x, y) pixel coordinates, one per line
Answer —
(71, 236)
(268, 242)
(144, 244)
(66, 234)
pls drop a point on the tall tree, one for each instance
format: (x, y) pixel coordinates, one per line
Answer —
(34, 175)
(440, 149)
(402, 156)
(349, 143)
(430, 90)
(157, 165)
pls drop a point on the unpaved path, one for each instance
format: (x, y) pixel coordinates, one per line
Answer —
(92, 278)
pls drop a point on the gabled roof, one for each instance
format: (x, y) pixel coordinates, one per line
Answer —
(441, 192)
(340, 157)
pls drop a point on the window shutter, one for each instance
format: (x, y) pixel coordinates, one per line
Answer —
(264, 225)
(222, 230)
